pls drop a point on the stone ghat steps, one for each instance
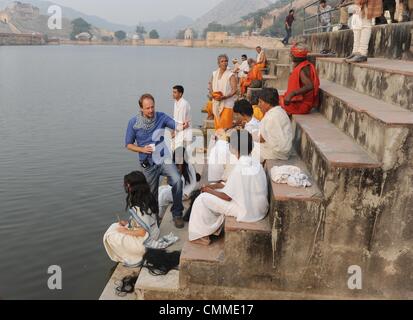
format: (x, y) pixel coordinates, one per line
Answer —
(387, 80)
(325, 148)
(227, 262)
(277, 81)
(378, 126)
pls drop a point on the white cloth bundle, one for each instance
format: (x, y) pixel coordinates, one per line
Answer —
(291, 175)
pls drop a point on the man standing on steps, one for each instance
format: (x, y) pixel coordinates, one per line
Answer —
(303, 84)
(288, 26)
(366, 10)
(145, 136)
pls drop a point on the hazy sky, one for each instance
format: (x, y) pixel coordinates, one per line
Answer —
(132, 11)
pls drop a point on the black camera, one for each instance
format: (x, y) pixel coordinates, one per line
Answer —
(145, 164)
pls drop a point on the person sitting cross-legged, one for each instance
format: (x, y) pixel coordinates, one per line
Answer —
(303, 84)
(254, 78)
(243, 196)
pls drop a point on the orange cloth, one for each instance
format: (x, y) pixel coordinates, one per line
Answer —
(258, 113)
(261, 66)
(254, 74)
(225, 121)
(208, 108)
(301, 104)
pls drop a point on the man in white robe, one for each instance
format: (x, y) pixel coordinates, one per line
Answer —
(182, 114)
(221, 161)
(244, 68)
(275, 135)
(244, 196)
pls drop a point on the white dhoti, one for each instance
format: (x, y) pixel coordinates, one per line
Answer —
(208, 214)
(123, 248)
(165, 198)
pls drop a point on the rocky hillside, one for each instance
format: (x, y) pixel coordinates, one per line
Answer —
(25, 18)
(229, 11)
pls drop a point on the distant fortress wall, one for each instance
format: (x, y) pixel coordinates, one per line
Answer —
(12, 39)
(214, 40)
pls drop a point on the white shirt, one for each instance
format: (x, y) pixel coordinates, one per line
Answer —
(247, 186)
(253, 126)
(243, 67)
(182, 113)
(277, 132)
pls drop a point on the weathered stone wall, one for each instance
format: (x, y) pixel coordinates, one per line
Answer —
(388, 41)
(11, 39)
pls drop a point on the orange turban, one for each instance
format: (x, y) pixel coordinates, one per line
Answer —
(299, 51)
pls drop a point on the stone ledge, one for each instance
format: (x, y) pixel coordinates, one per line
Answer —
(232, 225)
(386, 113)
(339, 150)
(195, 252)
(284, 192)
(380, 64)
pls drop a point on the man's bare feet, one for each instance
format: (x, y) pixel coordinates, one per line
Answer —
(205, 241)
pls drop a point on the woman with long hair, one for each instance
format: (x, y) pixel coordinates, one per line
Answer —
(188, 176)
(126, 241)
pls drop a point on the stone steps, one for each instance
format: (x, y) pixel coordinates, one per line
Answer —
(378, 126)
(387, 80)
(294, 212)
(277, 82)
(324, 147)
(351, 180)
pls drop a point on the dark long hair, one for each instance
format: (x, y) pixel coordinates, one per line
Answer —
(181, 153)
(139, 194)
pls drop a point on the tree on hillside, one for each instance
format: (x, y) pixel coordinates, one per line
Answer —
(79, 26)
(154, 34)
(181, 34)
(140, 30)
(213, 27)
(120, 35)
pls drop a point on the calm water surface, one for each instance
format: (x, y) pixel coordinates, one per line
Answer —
(63, 115)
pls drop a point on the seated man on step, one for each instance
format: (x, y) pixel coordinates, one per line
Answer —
(303, 84)
(244, 196)
(275, 132)
(254, 78)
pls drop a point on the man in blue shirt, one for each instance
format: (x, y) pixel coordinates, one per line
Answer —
(145, 136)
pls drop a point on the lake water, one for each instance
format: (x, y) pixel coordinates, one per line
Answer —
(63, 116)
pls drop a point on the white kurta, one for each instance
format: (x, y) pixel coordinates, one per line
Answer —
(277, 132)
(220, 161)
(243, 67)
(165, 197)
(222, 85)
(253, 126)
(182, 113)
(247, 186)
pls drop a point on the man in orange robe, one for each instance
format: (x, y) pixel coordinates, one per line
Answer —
(303, 84)
(254, 74)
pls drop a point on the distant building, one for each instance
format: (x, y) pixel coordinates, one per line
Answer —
(84, 36)
(23, 10)
(189, 34)
(216, 38)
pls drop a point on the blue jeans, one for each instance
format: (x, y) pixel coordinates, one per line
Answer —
(288, 36)
(153, 174)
